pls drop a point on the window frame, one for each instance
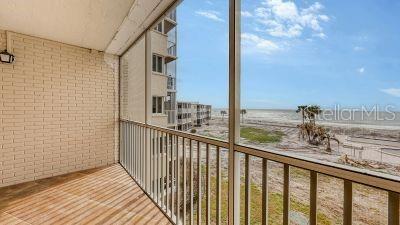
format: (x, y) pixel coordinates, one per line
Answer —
(159, 25)
(155, 66)
(157, 102)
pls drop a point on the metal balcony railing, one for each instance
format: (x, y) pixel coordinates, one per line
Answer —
(171, 83)
(169, 165)
(172, 50)
(184, 110)
(172, 15)
(171, 114)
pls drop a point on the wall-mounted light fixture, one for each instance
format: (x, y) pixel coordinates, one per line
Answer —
(6, 57)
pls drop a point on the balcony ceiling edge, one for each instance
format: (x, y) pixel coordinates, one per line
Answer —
(142, 14)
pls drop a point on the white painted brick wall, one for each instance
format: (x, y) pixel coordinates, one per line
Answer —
(58, 109)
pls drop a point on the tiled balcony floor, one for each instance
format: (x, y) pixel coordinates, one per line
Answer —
(100, 196)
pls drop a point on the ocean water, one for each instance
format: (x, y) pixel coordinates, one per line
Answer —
(364, 119)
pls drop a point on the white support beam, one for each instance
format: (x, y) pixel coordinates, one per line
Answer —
(234, 112)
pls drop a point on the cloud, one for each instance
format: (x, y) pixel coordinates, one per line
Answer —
(209, 14)
(392, 91)
(324, 18)
(246, 14)
(254, 43)
(285, 19)
(361, 70)
(282, 10)
(320, 35)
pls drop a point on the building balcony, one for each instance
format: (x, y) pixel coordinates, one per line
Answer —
(171, 56)
(172, 15)
(171, 117)
(171, 83)
(184, 111)
(170, 21)
(80, 143)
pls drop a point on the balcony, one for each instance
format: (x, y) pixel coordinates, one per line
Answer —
(171, 53)
(170, 21)
(172, 15)
(171, 83)
(171, 117)
(80, 145)
(185, 110)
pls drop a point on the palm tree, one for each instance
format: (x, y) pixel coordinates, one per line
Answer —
(302, 108)
(223, 113)
(312, 111)
(243, 112)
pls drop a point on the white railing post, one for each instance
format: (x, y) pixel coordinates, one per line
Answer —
(234, 115)
(148, 100)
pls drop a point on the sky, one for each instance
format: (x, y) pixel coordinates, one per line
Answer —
(325, 52)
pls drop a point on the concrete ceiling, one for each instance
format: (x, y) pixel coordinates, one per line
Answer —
(94, 24)
(142, 14)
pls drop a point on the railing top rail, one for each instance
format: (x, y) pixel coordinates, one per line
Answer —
(207, 140)
(357, 175)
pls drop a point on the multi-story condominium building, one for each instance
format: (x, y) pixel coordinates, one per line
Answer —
(203, 114)
(160, 71)
(185, 116)
(164, 57)
(192, 115)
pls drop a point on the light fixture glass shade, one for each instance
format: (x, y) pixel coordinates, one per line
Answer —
(6, 57)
